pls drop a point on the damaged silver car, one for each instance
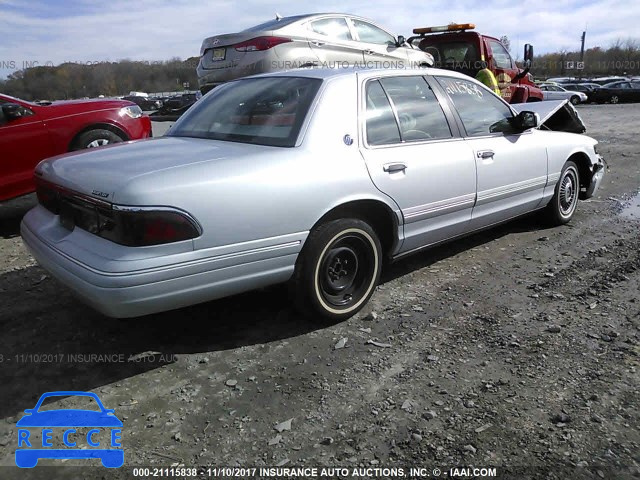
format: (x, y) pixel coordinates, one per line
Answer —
(262, 181)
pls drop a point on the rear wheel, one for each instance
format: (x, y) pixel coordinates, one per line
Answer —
(338, 269)
(96, 138)
(614, 99)
(564, 201)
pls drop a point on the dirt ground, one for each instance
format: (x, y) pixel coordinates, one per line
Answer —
(516, 348)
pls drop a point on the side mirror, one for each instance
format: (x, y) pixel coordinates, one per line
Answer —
(13, 111)
(526, 120)
(401, 41)
(528, 55)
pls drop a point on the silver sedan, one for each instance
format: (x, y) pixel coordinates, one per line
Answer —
(329, 40)
(312, 177)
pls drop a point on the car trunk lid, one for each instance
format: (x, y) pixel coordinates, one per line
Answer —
(218, 52)
(101, 173)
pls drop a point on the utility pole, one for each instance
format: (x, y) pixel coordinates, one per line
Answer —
(584, 34)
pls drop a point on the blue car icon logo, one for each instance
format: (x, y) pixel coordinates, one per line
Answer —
(65, 428)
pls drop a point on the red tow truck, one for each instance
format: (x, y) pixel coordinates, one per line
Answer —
(457, 47)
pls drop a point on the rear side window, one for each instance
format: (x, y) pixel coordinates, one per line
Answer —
(333, 28)
(481, 112)
(371, 34)
(382, 128)
(264, 111)
(420, 116)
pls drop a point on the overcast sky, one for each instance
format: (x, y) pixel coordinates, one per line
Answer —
(54, 31)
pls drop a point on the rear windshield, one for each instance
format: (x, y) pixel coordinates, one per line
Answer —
(275, 24)
(263, 111)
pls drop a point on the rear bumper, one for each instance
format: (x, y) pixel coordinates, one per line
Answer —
(135, 290)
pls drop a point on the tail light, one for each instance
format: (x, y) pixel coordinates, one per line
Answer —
(260, 43)
(125, 225)
(139, 227)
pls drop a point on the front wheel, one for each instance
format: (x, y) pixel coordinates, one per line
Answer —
(575, 100)
(338, 269)
(565, 199)
(614, 99)
(96, 138)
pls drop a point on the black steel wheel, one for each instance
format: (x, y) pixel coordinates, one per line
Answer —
(338, 269)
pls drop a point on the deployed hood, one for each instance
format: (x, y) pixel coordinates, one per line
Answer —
(557, 115)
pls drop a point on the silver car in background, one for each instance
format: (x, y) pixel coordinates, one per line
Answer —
(327, 40)
(556, 92)
(312, 176)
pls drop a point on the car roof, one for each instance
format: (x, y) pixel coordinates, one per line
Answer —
(276, 23)
(327, 73)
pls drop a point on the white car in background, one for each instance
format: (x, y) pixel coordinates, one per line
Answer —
(556, 92)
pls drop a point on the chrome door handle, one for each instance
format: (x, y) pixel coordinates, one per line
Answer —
(486, 154)
(317, 44)
(394, 167)
(369, 52)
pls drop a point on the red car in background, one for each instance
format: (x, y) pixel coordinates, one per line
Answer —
(30, 132)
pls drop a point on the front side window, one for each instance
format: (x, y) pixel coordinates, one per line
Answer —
(481, 112)
(371, 34)
(382, 128)
(263, 111)
(332, 27)
(420, 116)
(500, 55)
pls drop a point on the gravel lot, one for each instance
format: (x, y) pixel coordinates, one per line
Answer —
(516, 348)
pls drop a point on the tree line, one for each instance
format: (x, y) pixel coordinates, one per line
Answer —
(621, 58)
(73, 80)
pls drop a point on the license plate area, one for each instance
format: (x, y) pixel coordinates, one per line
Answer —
(218, 54)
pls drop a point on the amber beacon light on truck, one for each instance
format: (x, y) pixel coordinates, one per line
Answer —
(452, 27)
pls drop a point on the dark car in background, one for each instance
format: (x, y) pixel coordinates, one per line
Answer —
(30, 132)
(145, 103)
(183, 100)
(618, 92)
(588, 89)
(173, 107)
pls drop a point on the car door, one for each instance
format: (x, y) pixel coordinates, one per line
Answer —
(624, 91)
(331, 41)
(501, 63)
(24, 141)
(416, 156)
(555, 93)
(511, 166)
(635, 92)
(379, 47)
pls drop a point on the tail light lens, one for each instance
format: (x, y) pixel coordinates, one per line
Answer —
(129, 226)
(144, 227)
(260, 43)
